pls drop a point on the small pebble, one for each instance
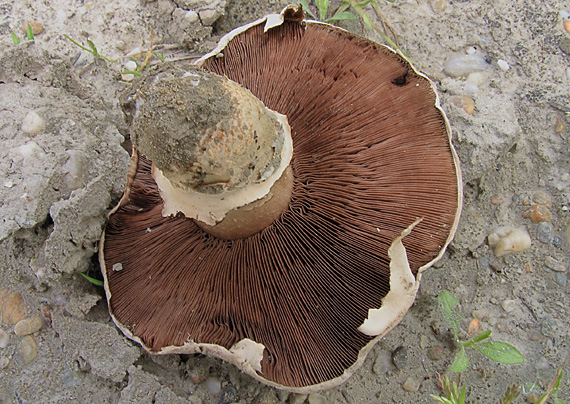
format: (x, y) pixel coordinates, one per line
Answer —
(298, 398)
(33, 123)
(568, 73)
(191, 16)
(317, 398)
(509, 305)
(4, 362)
(476, 78)
(283, 395)
(4, 339)
(463, 65)
(117, 266)
(228, 396)
(28, 349)
(566, 25)
(471, 50)
(556, 241)
(383, 363)
(13, 308)
(131, 65)
(555, 265)
(474, 327)
(435, 353)
(547, 327)
(508, 239)
(542, 198)
(464, 102)
(411, 384)
(561, 278)
(533, 398)
(197, 379)
(535, 337)
(213, 385)
(538, 213)
(497, 199)
(503, 65)
(564, 44)
(559, 126)
(438, 5)
(37, 28)
(28, 326)
(400, 357)
(544, 232)
(423, 341)
(483, 262)
(71, 378)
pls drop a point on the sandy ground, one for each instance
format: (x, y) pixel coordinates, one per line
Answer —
(62, 167)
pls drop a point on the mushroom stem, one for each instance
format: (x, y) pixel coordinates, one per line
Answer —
(219, 155)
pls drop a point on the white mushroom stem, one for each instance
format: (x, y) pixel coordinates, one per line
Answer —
(218, 153)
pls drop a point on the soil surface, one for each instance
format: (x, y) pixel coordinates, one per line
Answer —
(64, 160)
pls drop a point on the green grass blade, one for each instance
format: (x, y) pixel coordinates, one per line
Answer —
(501, 352)
(342, 16)
(94, 281)
(323, 6)
(442, 400)
(15, 38)
(30, 33)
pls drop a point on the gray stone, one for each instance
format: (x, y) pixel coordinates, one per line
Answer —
(383, 363)
(411, 384)
(544, 232)
(100, 345)
(400, 357)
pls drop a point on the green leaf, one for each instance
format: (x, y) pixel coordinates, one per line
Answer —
(343, 16)
(30, 33)
(461, 361)
(323, 6)
(501, 352)
(94, 281)
(442, 400)
(558, 401)
(449, 308)
(15, 38)
(481, 336)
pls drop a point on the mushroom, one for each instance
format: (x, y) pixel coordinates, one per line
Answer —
(286, 246)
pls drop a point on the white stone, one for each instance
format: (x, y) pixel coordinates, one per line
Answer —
(464, 65)
(509, 305)
(508, 239)
(33, 123)
(191, 16)
(131, 65)
(213, 385)
(30, 149)
(471, 50)
(4, 339)
(503, 65)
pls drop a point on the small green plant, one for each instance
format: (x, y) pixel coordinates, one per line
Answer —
(94, 281)
(351, 10)
(454, 393)
(554, 387)
(92, 49)
(497, 351)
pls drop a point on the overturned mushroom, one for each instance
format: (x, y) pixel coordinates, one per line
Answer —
(289, 265)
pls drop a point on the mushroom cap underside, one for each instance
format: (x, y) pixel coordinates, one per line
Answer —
(372, 155)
